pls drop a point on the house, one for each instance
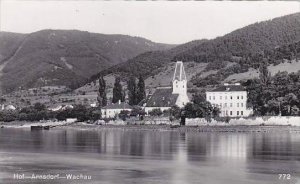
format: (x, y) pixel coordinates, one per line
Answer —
(165, 97)
(113, 110)
(231, 99)
(8, 107)
(60, 107)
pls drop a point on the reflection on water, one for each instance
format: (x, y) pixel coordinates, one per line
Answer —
(120, 156)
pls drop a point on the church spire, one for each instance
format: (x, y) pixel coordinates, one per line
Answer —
(179, 73)
(179, 79)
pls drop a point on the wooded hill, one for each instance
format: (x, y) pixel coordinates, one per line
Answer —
(272, 40)
(63, 57)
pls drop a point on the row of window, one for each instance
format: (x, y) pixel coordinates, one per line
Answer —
(231, 105)
(221, 97)
(238, 113)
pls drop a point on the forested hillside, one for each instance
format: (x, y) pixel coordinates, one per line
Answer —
(63, 57)
(271, 41)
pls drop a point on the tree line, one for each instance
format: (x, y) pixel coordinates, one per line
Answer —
(274, 95)
(136, 91)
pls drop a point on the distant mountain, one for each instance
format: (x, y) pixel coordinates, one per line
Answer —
(63, 57)
(247, 47)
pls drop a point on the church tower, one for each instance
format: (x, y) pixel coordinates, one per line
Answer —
(180, 84)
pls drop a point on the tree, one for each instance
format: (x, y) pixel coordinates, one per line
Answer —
(264, 74)
(132, 91)
(141, 93)
(118, 91)
(39, 107)
(200, 108)
(124, 114)
(137, 111)
(156, 112)
(175, 112)
(102, 98)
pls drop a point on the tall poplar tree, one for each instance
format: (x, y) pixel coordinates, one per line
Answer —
(132, 91)
(117, 91)
(141, 93)
(102, 98)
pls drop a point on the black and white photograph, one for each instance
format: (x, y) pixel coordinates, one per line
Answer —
(149, 92)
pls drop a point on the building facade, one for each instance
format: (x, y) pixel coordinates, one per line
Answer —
(231, 99)
(166, 97)
(113, 110)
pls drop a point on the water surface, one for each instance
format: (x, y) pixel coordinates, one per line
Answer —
(149, 157)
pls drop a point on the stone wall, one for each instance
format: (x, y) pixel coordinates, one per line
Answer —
(265, 120)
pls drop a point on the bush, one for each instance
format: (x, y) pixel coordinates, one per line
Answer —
(155, 112)
(124, 114)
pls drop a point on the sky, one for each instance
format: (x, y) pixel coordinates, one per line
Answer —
(164, 21)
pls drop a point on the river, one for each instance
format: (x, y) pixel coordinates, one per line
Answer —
(147, 157)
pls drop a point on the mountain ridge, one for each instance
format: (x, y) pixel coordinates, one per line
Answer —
(239, 46)
(63, 57)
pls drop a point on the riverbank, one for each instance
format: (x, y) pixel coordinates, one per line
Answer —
(202, 128)
(234, 128)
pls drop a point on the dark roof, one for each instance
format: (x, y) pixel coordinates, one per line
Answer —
(162, 97)
(229, 88)
(121, 105)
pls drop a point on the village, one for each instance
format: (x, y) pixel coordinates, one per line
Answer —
(164, 105)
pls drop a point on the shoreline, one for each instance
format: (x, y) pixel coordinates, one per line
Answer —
(152, 127)
(204, 128)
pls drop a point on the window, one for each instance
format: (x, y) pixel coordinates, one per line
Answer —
(209, 97)
(230, 104)
(225, 104)
(238, 97)
(242, 97)
(237, 113)
(220, 105)
(230, 97)
(220, 97)
(183, 86)
(225, 97)
(242, 113)
(214, 98)
(230, 113)
(226, 113)
(242, 105)
(237, 104)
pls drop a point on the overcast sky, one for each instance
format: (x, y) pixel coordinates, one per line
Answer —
(164, 21)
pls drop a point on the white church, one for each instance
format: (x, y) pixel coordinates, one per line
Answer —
(166, 97)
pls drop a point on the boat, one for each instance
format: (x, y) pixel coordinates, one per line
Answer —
(38, 127)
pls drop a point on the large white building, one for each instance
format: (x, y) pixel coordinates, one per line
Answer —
(231, 99)
(165, 97)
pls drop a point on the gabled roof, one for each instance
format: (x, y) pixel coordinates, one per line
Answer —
(117, 105)
(229, 88)
(162, 97)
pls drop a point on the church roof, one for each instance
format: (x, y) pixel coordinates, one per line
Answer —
(179, 73)
(229, 88)
(162, 97)
(117, 105)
